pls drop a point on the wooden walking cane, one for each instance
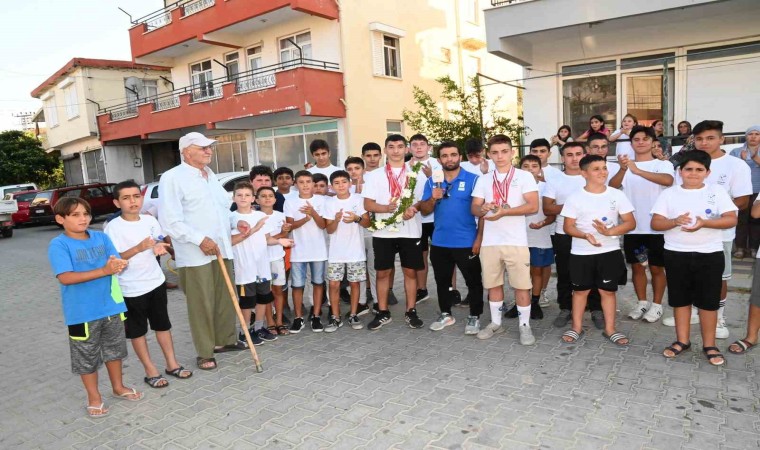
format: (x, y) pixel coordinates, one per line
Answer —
(243, 325)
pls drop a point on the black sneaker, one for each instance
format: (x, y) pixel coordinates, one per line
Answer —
(413, 319)
(361, 310)
(334, 324)
(254, 338)
(535, 311)
(316, 324)
(456, 299)
(266, 335)
(375, 309)
(512, 313)
(297, 325)
(392, 300)
(422, 295)
(381, 318)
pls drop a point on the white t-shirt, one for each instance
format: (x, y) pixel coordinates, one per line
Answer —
(347, 242)
(541, 238)
(475, 168)
(623, 147)
(273, 227)
(509, 230)
(585, 207)
(734, 176)
(559, 189)
(550, 172)
(711, 201)
(292, 194)
(642, 193)
(377, 188)
(309, 239)
(251, 257)
(434, 165)
(612, 169)
(326, 171)
(143, 274)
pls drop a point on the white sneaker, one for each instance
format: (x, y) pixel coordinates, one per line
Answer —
(671, 321)
(721, 332)
(526, 335)
(654, 313)
(490, 330)
(638, 311)
(473, 325)
(543, 301)
(443, 321)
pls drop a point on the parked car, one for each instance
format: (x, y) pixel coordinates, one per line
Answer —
(98, 195)
(5, 190)
(150, 190)
(23, 200)
(7, 209)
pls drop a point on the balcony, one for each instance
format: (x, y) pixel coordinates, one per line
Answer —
(186, 25)
(304, 87)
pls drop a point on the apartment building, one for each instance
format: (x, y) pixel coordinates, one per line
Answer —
(266, 78)
(676, 60)
(71, 99)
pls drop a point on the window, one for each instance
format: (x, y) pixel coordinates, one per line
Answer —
(394, 127)
(51, 113)
(72, 102)
(391, 60)
(233, 65)
(150, 90)
(95, 167)
(201, 76)
(588, 96)
(230, 153)
(254, 57)
(72, 171)
(289, 52)
(289, 146)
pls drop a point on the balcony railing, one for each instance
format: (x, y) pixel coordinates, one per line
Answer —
(163, 16)
(249, 81)
(197, 5)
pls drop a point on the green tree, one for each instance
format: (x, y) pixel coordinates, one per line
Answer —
(22, 159)
(469, 116)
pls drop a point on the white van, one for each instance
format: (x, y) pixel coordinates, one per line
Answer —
(16, 188)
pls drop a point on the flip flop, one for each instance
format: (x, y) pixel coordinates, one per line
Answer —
(572, 334)
(743, 344)
(125, 395)
(102, 409)
(616, 337)
(155, 382)
(201, 361)
(177, 373)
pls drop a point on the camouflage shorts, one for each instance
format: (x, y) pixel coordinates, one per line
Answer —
(355, 271)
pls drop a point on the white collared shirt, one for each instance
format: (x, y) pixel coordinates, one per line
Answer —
(193, 207)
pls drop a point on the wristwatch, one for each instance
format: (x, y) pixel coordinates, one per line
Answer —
(358, 219)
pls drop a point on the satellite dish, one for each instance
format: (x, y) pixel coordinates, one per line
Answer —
(135, 86)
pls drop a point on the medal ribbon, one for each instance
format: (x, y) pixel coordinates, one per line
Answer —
(501, 189)
(395, 182)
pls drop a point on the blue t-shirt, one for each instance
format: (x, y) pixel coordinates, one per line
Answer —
(92, 300)
(455, 226)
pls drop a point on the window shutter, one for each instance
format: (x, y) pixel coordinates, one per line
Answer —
(378, 60)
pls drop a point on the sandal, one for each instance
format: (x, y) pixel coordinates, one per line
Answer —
(572, 334)
(710, 357)
(157, 382)
(96, 412)
(178, 373)
(744, 346)
(616, 337)
(282, 330)
(676, 351)
(240, 345)
(137, 396)
(203, 363)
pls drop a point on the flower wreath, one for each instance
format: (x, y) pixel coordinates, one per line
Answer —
(407, 200)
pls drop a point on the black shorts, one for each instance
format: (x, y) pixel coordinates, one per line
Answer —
(427, 235)
(408, 249)
(252, 294)
(150, 307)
(652, 244)
(694, 279)
(603, 271)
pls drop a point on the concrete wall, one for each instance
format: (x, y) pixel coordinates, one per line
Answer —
(119, 163)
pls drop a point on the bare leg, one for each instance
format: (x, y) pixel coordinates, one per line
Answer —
(609, 303)
(247, 315)
(708, 320)
(298, 301)
(384, 278)
(682, 315)
(318, 295)
(522, 297)
(639, 281)
(454, 279)
(335, 293)
(536, 278)
(410, 287)
(355, 287)
(279, 303)
(547, 274)
(579, 307)
(166, 343)
(261, 311)
(753, 326)
(115, 375)
(659, 282)
(90, 382)
(140, 345)
(422, 274)
(268, 314)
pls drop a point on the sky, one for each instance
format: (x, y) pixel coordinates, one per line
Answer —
(41, 36)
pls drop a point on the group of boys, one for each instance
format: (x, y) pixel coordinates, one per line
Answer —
(484, 217)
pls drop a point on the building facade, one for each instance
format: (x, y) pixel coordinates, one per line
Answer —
(71, 99)
(676, 60)
(266, 78)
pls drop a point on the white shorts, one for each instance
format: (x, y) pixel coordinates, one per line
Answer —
(278, 272)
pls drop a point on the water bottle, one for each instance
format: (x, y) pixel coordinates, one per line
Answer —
(642, 255)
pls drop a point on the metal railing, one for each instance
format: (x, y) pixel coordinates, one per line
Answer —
(196, 6)
(159, 21)
(163, 17)
(248, 81)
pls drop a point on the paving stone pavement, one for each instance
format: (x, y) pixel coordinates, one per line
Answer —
(395, 388)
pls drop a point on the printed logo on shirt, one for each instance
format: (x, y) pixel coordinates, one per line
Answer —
(711, 199)
(461, 186)
(613, 205)
(723, 178)
(85, 254)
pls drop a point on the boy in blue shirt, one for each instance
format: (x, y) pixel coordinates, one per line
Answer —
(85, 262)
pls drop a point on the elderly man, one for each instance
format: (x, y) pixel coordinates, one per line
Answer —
(195, 213)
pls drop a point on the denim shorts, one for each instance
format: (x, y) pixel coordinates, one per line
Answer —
(298, 273)
(541, 257)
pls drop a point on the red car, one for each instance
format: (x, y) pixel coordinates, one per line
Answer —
(23, 199)
(98, 195)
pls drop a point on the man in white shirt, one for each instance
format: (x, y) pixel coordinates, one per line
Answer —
(476, 161)
(598, 144)
(320, 151)
(195, 213)
(542, 149)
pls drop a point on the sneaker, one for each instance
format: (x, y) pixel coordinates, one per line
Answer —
(392, 300)
(543, 301)
(316, 324)
(422, 295)
(563, 318)
(721, 332)
(598, 318)
(412, 319)
(536, 313)
(355, 323)
(334, 324)
(456, 297)
(526, 335)
(443, 321)
(653, 313)
(375, 309)
(254, 338)
(490, 330)
(381, 318)
(671, 321)
(297, 325)
(362, 310)
(266, 335)
(512, 313)
(473, 325)
(639, 310)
